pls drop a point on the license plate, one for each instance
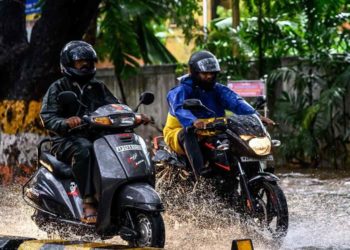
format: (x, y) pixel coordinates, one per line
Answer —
(250, 159)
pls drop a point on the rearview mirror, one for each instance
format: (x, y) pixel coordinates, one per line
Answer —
(66, 98)
(260, 102)
(193, 104)
(197, 105)
(146, 98)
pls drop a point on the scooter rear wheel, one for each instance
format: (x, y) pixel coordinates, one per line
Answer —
(150, 229)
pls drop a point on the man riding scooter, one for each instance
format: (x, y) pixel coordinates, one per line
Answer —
(77, 61)
(200, 84)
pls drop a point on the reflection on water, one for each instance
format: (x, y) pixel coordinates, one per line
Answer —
(319, 211)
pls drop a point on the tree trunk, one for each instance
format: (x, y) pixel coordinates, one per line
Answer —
(61, 21)
(214, 6)
(13, 43)
(235, 24)
(27, 68)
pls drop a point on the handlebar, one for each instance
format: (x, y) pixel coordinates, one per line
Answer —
(85, 121)
(84, 124)
(218, 125)
(139, 119)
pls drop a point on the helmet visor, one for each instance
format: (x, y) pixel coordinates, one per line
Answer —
(83, 53)
(208, 65)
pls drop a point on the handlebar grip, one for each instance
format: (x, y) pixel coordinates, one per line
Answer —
(190, 128)
(83, 124)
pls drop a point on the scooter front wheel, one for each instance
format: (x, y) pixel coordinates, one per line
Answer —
(150, 229)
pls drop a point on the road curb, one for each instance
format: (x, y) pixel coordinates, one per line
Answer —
(12, 242)
(70, 245)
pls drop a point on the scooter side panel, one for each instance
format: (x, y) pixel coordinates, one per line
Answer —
(50, 189)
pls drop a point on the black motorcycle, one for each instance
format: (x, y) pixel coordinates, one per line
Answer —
(238, 154)
(124, 179)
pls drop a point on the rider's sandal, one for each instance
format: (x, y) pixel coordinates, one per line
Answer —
(89, 219)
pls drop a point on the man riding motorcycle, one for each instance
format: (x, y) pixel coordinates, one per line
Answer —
(77, 61)
(200, 84)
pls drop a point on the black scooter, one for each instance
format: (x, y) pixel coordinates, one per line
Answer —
(124, 179)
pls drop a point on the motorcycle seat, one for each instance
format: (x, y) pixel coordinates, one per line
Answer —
(58, 168)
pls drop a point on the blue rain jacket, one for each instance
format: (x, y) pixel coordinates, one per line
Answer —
(218, 99)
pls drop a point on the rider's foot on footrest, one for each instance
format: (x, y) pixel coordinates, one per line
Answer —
(205, 171)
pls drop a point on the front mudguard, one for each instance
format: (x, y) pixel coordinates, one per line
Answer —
(141, 196)
(263, 177)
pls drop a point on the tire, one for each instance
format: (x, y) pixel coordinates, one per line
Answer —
(150, 228)
(40, 219)
(271, 208)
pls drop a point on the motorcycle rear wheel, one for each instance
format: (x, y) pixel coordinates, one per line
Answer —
(150, 228)
(271, 208)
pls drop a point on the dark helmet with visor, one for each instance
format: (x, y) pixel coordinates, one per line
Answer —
(204, 61)
(74, 51)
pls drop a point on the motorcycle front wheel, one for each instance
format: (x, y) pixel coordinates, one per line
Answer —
(271, 208)
(150, 229)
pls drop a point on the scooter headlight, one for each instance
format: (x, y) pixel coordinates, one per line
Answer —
(126, 121)
(261, 146)
(115, 121)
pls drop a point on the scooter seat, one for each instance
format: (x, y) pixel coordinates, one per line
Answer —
(58, 168)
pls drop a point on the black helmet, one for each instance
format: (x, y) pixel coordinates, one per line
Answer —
(77, 50)
(203, 61)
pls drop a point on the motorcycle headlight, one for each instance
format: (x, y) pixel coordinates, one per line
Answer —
(103, 120)
(246, 137)
(261, 146)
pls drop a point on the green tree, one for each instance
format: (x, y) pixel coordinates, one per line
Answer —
(316, 122)
(126, 31)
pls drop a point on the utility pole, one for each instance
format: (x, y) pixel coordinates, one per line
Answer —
(205, 19)
(260, 39)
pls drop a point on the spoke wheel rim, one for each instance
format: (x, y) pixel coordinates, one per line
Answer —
(268, 218)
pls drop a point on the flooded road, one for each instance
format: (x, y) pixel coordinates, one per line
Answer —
(319, 212)
(319, 209)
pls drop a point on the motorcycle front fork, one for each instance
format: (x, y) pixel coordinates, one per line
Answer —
(247, 198)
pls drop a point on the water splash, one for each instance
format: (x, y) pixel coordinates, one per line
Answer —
(196, 218)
